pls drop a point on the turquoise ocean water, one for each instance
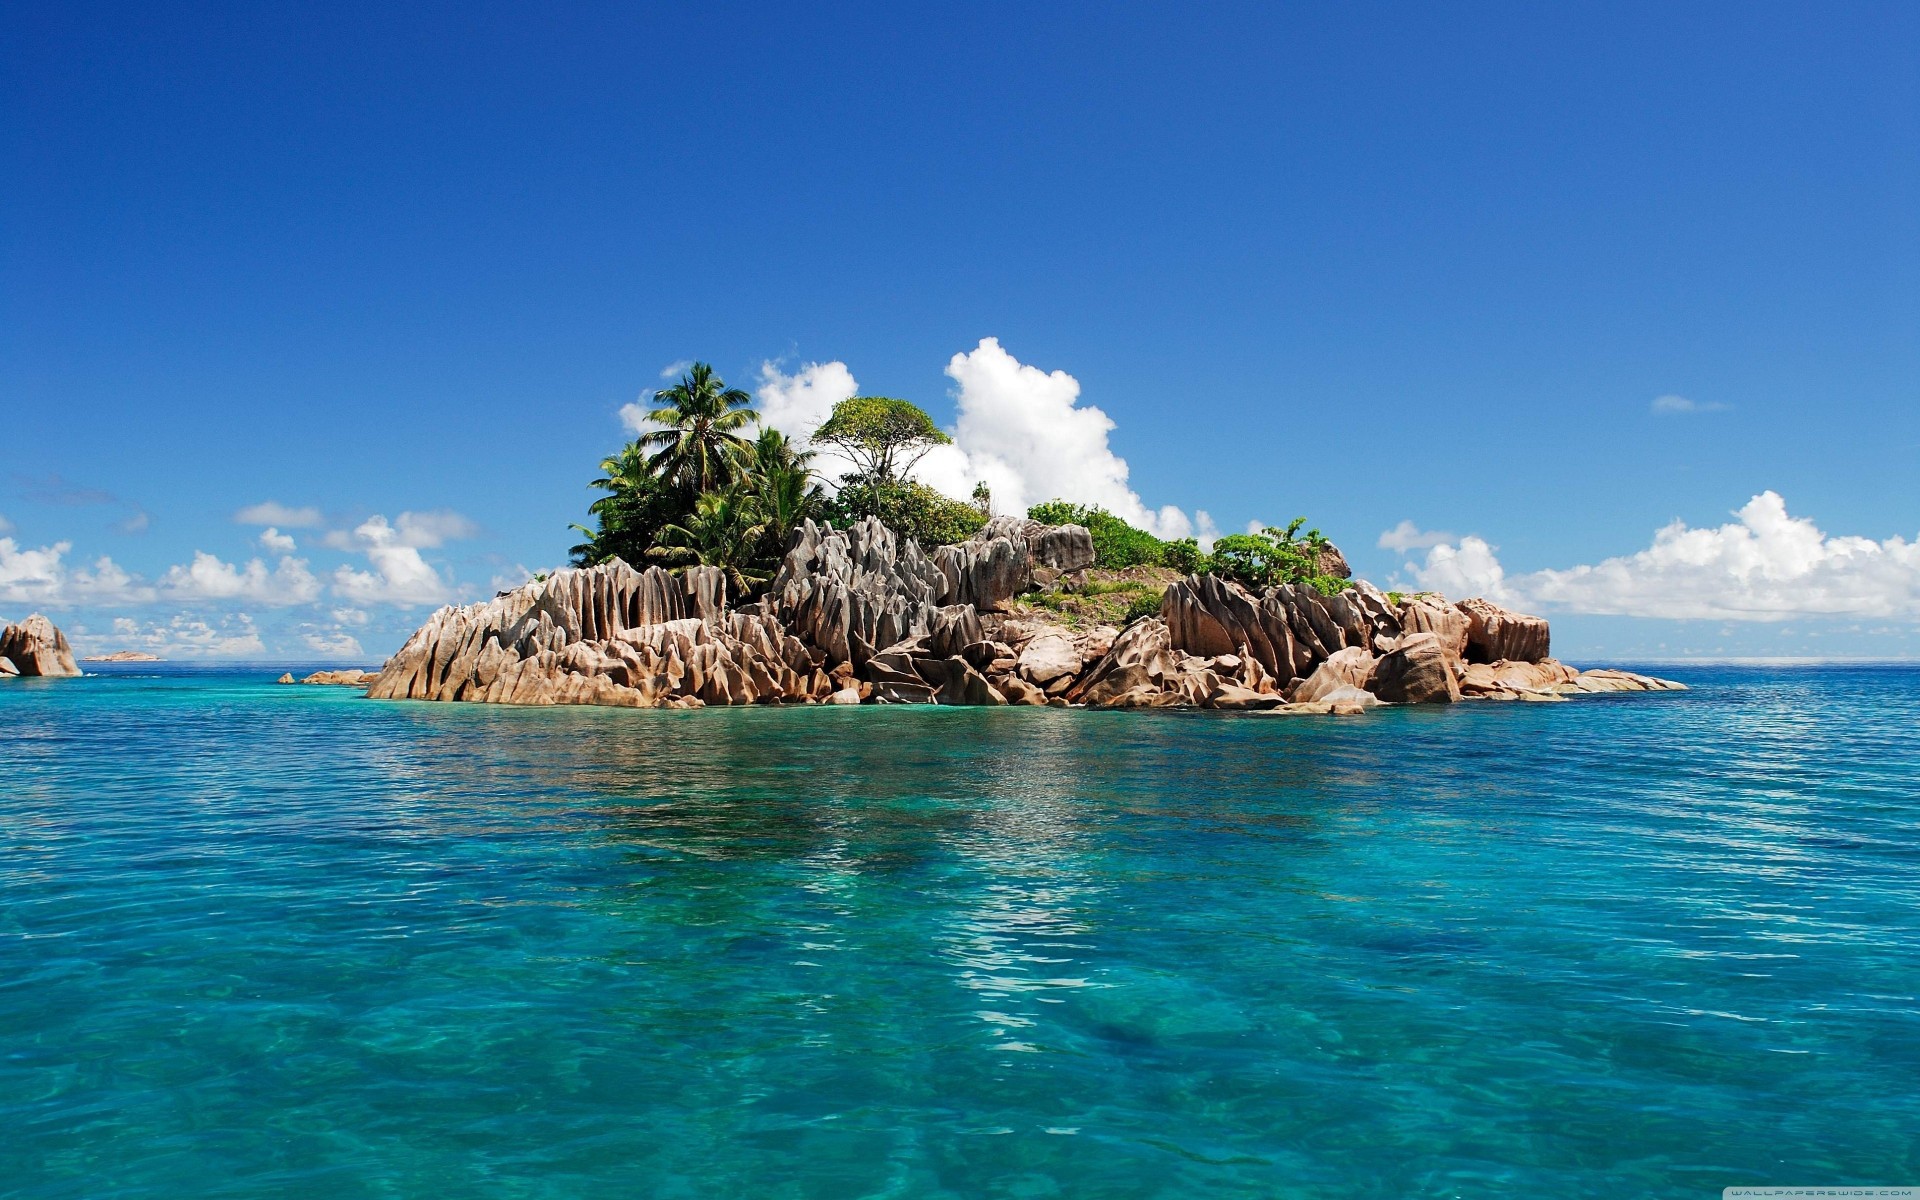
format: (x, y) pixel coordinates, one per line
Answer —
(273, 941)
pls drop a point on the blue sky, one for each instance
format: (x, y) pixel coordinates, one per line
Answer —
(1370, 263)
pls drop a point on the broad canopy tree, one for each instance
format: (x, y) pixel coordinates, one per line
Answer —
(883, 436)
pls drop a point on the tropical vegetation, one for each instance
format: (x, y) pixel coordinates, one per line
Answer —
(707, 484)
(1256, 560)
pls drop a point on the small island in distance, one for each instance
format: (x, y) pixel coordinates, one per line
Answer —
(760, 585)
(123, 656)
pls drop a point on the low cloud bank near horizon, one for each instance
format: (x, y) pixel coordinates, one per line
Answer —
(205, 590)
(1765, 565)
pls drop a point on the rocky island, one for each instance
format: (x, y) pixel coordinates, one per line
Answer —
(861, 615)
(124, 656)
(36, 647)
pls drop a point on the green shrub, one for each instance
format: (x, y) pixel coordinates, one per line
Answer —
(1185, 556)
(1146, 604)
(1259, 560)
(1116, 544)
(910, 509)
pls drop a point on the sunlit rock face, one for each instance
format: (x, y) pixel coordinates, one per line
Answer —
(860, 615)
(36, 647)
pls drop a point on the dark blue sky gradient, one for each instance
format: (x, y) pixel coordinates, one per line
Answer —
(1365, 262)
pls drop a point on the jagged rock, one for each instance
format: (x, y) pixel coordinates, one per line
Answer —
(1495, 634)
(952, 628)
(1348, 668)
(1377, 611)
(1140, 655)
(1419, 671)
(849, 695)
(847, 592)
(1207, 615)
(286, 677)
(1062, 548)
(984, 574)
(36, 647)
(954, 681)
(1426, 614)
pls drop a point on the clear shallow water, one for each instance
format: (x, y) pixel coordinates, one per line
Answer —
(271, 941)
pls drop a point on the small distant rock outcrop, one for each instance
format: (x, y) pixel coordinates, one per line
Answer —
(859, 615)
(123, 656)
(36, 647)
(352, 677)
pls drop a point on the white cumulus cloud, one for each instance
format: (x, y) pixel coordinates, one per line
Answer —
(399, 574)
(187, 636)
(272, 512)
(800, 403)
(1765, 565)
(41, 576)
(279, 543)
(335, 644)
(1026, 434)
(207, 577)
(1407, 536)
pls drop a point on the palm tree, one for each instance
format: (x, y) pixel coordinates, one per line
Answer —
(698, 445)
(638, 500)
(775, 451)
(724, 530)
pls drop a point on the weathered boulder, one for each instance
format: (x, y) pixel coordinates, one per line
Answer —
(347, 678)
(1329, 561)
(1048, 657)
(1142, 654)
(1606, 679)
(1348, 668)
(1419, 671)
(1061, 548)
(286, 677)
(1515, 680)
(1431, 614)
(1495, 634)
(36, 647)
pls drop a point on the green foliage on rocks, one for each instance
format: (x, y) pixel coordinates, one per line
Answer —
(1253, 560)
(1261, 560)
(909, 508)
(710, 487)
(1116, 544)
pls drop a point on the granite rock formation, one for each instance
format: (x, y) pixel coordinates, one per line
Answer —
(859, 615)
(36, 646)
